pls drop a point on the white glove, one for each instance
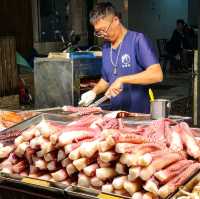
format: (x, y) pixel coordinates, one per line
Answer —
(87, 98)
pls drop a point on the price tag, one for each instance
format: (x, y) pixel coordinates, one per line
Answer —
(35, 182)
(107, 196)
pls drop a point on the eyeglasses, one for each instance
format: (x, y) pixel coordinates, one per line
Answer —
(102, 33)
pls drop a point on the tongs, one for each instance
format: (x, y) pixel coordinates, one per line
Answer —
(99, 101)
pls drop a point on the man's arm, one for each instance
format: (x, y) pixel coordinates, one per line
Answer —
(101, 86)
(152, 74)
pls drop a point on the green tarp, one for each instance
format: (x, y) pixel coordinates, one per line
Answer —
(23, 64)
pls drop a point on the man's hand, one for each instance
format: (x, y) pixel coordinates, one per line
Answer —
(115, 88)
(87, 98)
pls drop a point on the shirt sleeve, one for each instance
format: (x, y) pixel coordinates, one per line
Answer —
(145, 52)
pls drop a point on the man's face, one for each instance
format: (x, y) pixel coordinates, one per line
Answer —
(179, 26)
(105, 27)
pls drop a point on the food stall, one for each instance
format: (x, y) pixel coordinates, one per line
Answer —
(59, 150)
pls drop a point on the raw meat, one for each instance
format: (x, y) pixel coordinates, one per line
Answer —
(106, 154)
(152, 185)
(82, 110)
(118, 182)
(107, 188)
(130, 138)
(131, 187)
(174, 138)
(69, 137)
(50, 156)
(90, 170)
(188, 139)
(81, 163)
(121, 168)
(83, 180)
(96, 182)
(5, 151)
(159, 163)
(52, 166)
(19, 167)
(71, 169)
(124, 147)
(173, 170)
(61, 155)
(137, 195)
(59, 175)
(134, 173)
(40, 164)
(65, 162)
(88, 149)
(175, 182)
(21, 149)
(105, 173)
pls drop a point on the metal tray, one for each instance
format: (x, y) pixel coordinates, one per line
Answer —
(20, 179)
(179, 118)
(81, 192)
(70, 116)
(33, 121)
(17, 183)
(140, 121)
(89, 193)
(34, 114)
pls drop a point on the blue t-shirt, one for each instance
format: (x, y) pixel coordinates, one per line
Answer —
(136, 54)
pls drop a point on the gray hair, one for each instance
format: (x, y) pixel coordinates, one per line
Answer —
(102, 10)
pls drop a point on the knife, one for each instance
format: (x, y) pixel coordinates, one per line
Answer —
(99, 101)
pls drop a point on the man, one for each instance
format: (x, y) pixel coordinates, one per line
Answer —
(177, 41)
(182, 39)
(129, 63)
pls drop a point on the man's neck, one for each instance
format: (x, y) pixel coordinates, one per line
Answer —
(120, 37)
